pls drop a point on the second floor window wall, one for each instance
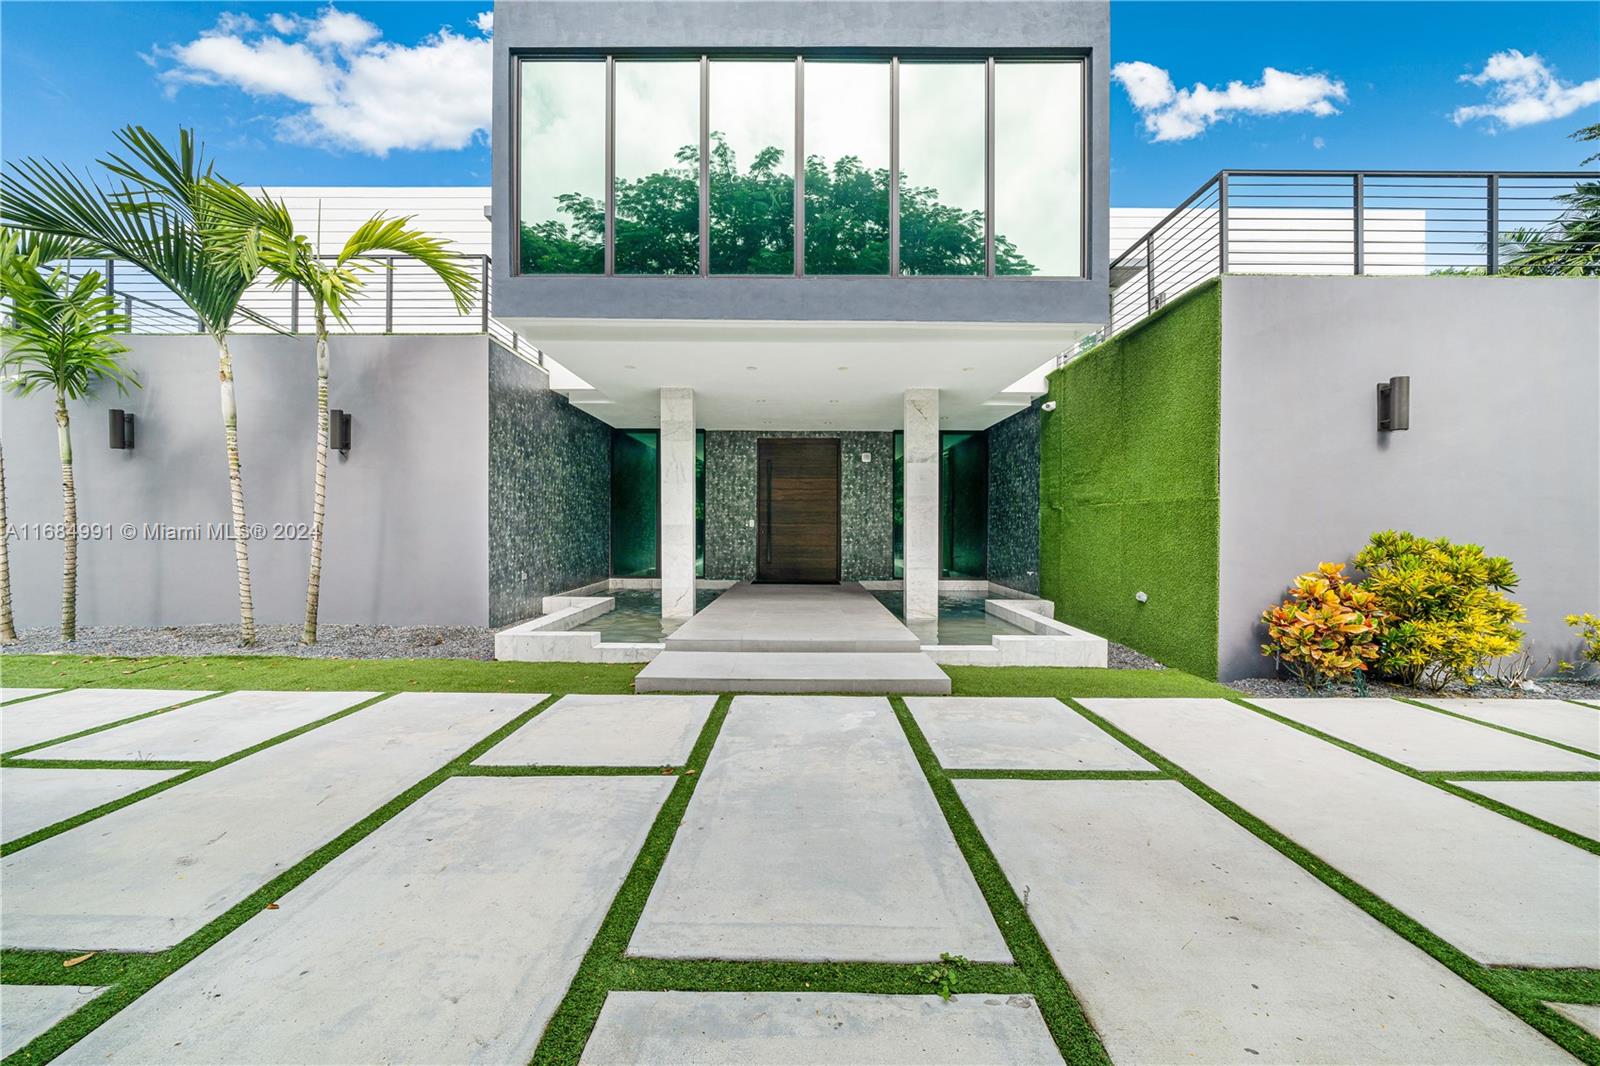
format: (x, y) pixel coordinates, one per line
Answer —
(911, 166)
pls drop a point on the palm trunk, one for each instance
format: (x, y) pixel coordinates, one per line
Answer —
(241, 531)
(8, 630)
(319, 495)
(69, 518)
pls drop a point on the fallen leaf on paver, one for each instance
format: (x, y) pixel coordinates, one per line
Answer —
(688, 771)
(272, 906)
(78, 959)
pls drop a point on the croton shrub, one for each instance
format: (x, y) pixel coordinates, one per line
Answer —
(1327, 630)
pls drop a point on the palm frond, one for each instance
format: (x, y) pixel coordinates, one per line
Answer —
(62, 331)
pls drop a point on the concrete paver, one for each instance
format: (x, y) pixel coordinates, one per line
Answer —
(798, 618)
(9, 694)
(1503, 892)
(448, 935)
(1424, 739)
(32, 798)
(28, 1011)
(75, 710)
(1586, 1015)
(145, 877)
(1189, 940)
(1568, 723)
(1017, 733)
(805, 1028)
(813, 835)
(210, 730)
(1573, 805)
(607, 731)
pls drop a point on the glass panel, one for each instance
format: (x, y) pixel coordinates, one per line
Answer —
(964, 505)
(1038, 168)
(562, 163)
(847, 168)
(941, 168)
(752, 167)
(635, 496)
(898, 518)
(658, 167)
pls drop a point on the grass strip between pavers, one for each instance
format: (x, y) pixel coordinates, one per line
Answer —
(1518, 990)
(195, 770)
(1510, 775)
(1503, 728)
(1055, 775)
(129, 975)
(1437, 780)
(1063, 1014)
(173, 706)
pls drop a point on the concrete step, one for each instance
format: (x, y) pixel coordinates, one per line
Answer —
(721, 671)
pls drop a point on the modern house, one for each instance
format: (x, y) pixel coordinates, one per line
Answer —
(808, 293)
(804, 251)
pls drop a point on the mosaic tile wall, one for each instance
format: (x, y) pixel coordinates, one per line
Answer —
(1014, 501)
(549, 491)
(866, 497)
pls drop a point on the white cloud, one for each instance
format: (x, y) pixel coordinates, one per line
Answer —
(1172, 114)
(355, 90)
(1523, 90)
(1318, 143)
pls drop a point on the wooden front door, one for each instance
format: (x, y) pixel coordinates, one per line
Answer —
(797, 510)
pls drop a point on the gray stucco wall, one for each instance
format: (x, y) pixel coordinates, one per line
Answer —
(549, 491)
(1014, 501)
(406, 538)
(866, 492)
(1079, 27)
(1503, 449)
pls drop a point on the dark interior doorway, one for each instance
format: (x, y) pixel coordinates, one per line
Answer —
(797, 510)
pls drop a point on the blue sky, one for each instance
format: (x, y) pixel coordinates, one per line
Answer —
(397, 93)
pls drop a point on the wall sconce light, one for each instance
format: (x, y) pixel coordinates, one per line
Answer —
(121, 430)
(339, 431)
(1394, 404)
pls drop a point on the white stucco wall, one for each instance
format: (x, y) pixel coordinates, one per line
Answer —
(1503, 449)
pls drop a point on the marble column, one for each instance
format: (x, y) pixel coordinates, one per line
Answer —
(922, 504)
(677, 502)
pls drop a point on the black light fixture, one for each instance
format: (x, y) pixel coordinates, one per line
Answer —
(1394, 404)
(339, 431)
(121, 429)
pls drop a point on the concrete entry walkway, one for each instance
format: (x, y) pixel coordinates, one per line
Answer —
(805, 618)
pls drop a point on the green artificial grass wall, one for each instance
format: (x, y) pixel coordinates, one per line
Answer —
(1128, 485)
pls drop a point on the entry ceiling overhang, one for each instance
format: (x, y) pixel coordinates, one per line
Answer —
(799, 375)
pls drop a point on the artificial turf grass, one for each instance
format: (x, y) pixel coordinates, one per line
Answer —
(194, 771)
(1129, 485)
(284, 672)
(1089, 682)
(129, 975)
(1519, 990)
(1064, 1016)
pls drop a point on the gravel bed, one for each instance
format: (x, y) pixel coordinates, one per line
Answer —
(1587, 690)
(1122, 657)
(333, 642)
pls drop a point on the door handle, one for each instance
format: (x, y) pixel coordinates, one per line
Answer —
(767, 519)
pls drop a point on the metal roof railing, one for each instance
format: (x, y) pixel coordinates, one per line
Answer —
(401, 296)
(1385, 222)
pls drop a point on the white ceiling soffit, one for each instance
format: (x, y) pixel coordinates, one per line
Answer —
(800, 375)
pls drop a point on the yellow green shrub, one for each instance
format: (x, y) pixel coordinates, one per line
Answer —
(1326, 631)
(1446, 613)
(1588, 627)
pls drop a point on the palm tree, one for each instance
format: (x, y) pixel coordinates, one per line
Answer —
(160, 218)
(8, 628)
(256, 233)
(60, 336)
